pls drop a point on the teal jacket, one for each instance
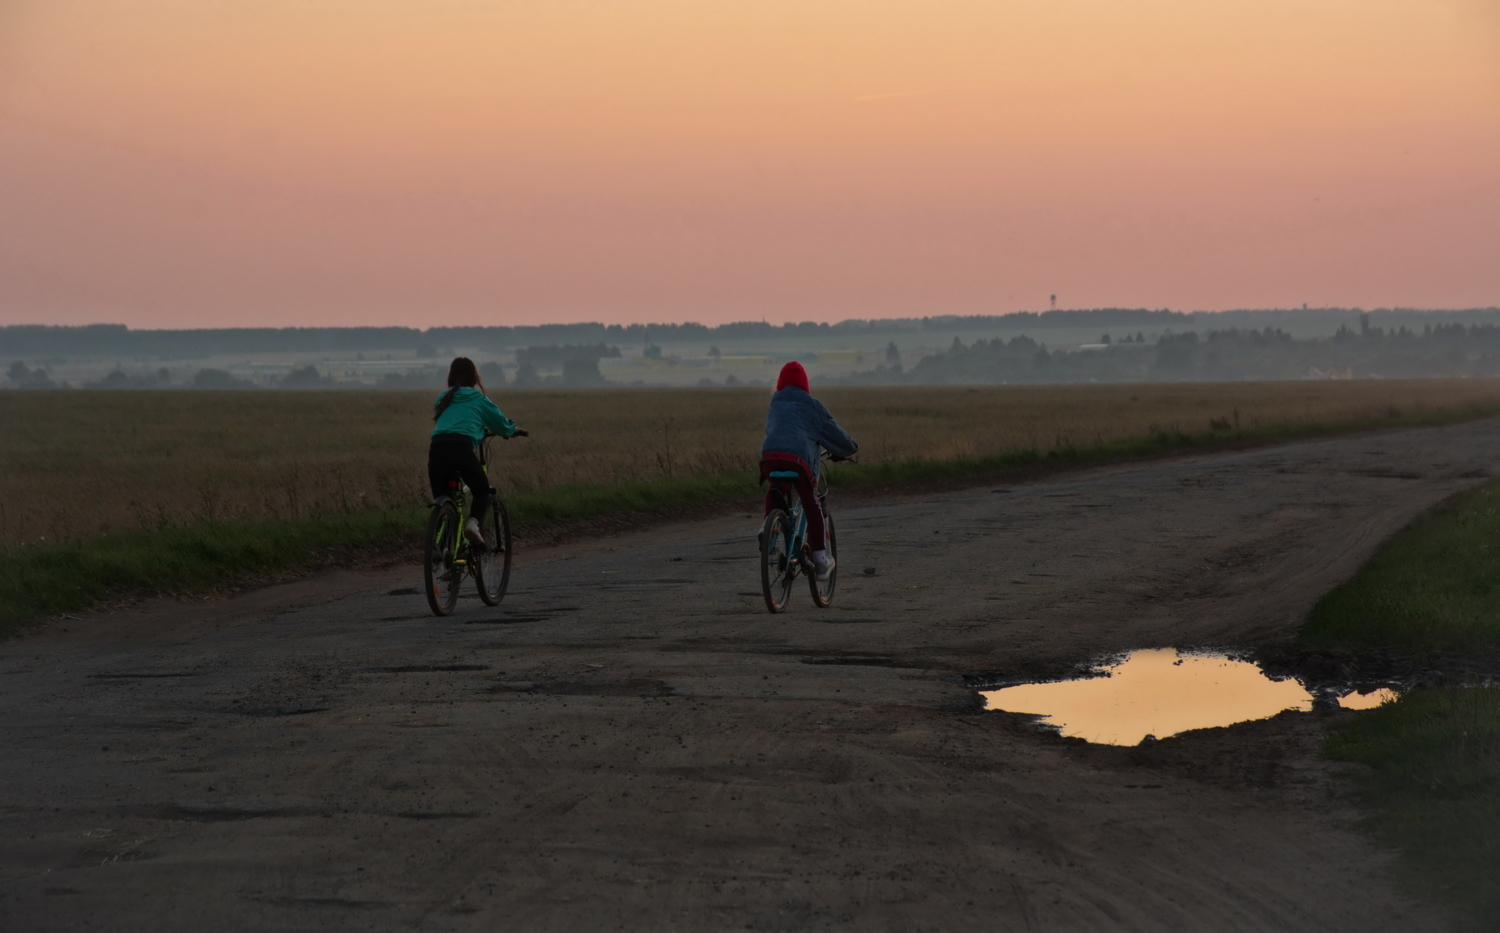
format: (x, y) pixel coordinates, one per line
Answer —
(471, 414)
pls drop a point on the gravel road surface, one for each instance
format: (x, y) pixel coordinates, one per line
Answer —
(631, 742)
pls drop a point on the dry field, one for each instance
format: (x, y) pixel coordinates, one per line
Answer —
(76, 463)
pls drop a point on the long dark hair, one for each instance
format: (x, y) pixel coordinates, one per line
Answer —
(462, 373)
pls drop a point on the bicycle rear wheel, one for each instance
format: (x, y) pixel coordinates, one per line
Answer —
(822, 593)
(777, 567)
(492, 563)
(441, 575)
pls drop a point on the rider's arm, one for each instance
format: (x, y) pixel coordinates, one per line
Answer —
(494, 419)
(834, 438)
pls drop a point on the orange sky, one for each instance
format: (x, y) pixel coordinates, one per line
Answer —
(212, 163)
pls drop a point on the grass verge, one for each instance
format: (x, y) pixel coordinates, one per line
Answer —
(1432, 789)
(1434, 587)
(1432, 780)
(42, 580)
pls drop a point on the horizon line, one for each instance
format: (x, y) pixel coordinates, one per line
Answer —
(785, 324)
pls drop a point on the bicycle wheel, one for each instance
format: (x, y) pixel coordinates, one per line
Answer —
(441, 575)
(777, 568)
(822, 593)
(492, 563)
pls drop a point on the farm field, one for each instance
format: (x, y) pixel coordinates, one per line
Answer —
(77, 464)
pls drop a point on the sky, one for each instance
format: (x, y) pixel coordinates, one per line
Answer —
(204, 163)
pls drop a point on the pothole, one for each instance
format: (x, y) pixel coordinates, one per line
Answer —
(1160, 692)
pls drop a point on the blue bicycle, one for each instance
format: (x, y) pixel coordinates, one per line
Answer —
(784, 551)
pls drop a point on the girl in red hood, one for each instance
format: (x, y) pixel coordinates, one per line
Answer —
(797, 425)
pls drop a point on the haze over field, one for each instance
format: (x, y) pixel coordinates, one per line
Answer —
(180, 163)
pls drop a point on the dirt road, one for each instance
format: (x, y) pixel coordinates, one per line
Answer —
(631, 742)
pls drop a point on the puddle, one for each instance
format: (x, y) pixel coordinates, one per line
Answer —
(1161, 692)
(1368, 700)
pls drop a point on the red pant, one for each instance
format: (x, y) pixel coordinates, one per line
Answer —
(806, 491)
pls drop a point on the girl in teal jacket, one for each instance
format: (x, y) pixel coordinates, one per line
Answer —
(463, 414)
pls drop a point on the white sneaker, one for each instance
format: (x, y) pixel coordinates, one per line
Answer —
(472, 532)
(823, 570)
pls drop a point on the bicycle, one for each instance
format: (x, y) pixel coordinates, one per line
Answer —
(448, 554)
(784, 551)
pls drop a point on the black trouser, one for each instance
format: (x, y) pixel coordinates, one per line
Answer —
(450, 457)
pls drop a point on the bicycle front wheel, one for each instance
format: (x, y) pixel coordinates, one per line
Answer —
(822, 593)
(777, 567)
(492, 563)
(441, 574)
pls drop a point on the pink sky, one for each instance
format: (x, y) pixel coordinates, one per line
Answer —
(169, 163)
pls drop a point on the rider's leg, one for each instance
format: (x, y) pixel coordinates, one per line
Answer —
(448, 458)
(479, 492)
(479, 484)
(822, 561)
(439, 468)
(808, 493)
(814, 512)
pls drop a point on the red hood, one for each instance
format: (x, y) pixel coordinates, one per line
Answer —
(792, 374)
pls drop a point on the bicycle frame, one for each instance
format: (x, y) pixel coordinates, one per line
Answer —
(462, 498)
(450, 553)
(799, 515)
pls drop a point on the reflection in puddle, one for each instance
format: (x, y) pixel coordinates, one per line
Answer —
(1155, 692)
(1368, 700)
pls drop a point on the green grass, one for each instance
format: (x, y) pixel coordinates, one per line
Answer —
(37, 581)
(48, 579)
(43, 580)
(1433, 792)
(1432, 788)
(561, 503)
(1434, 587)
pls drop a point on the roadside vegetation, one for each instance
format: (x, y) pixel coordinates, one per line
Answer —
(1432, 777)
(1432, 789)
(1434, 587)
(126, 493)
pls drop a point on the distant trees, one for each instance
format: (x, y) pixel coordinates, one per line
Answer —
(429, 377)
(218, 379)
(95, 341)
(1215, 355)
(579, 364)
(527, 377)
(24, 377)
(579, 372)
(119, 379)
(492, 374)
(1176, 355)
(555, 357)
(305, 377)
